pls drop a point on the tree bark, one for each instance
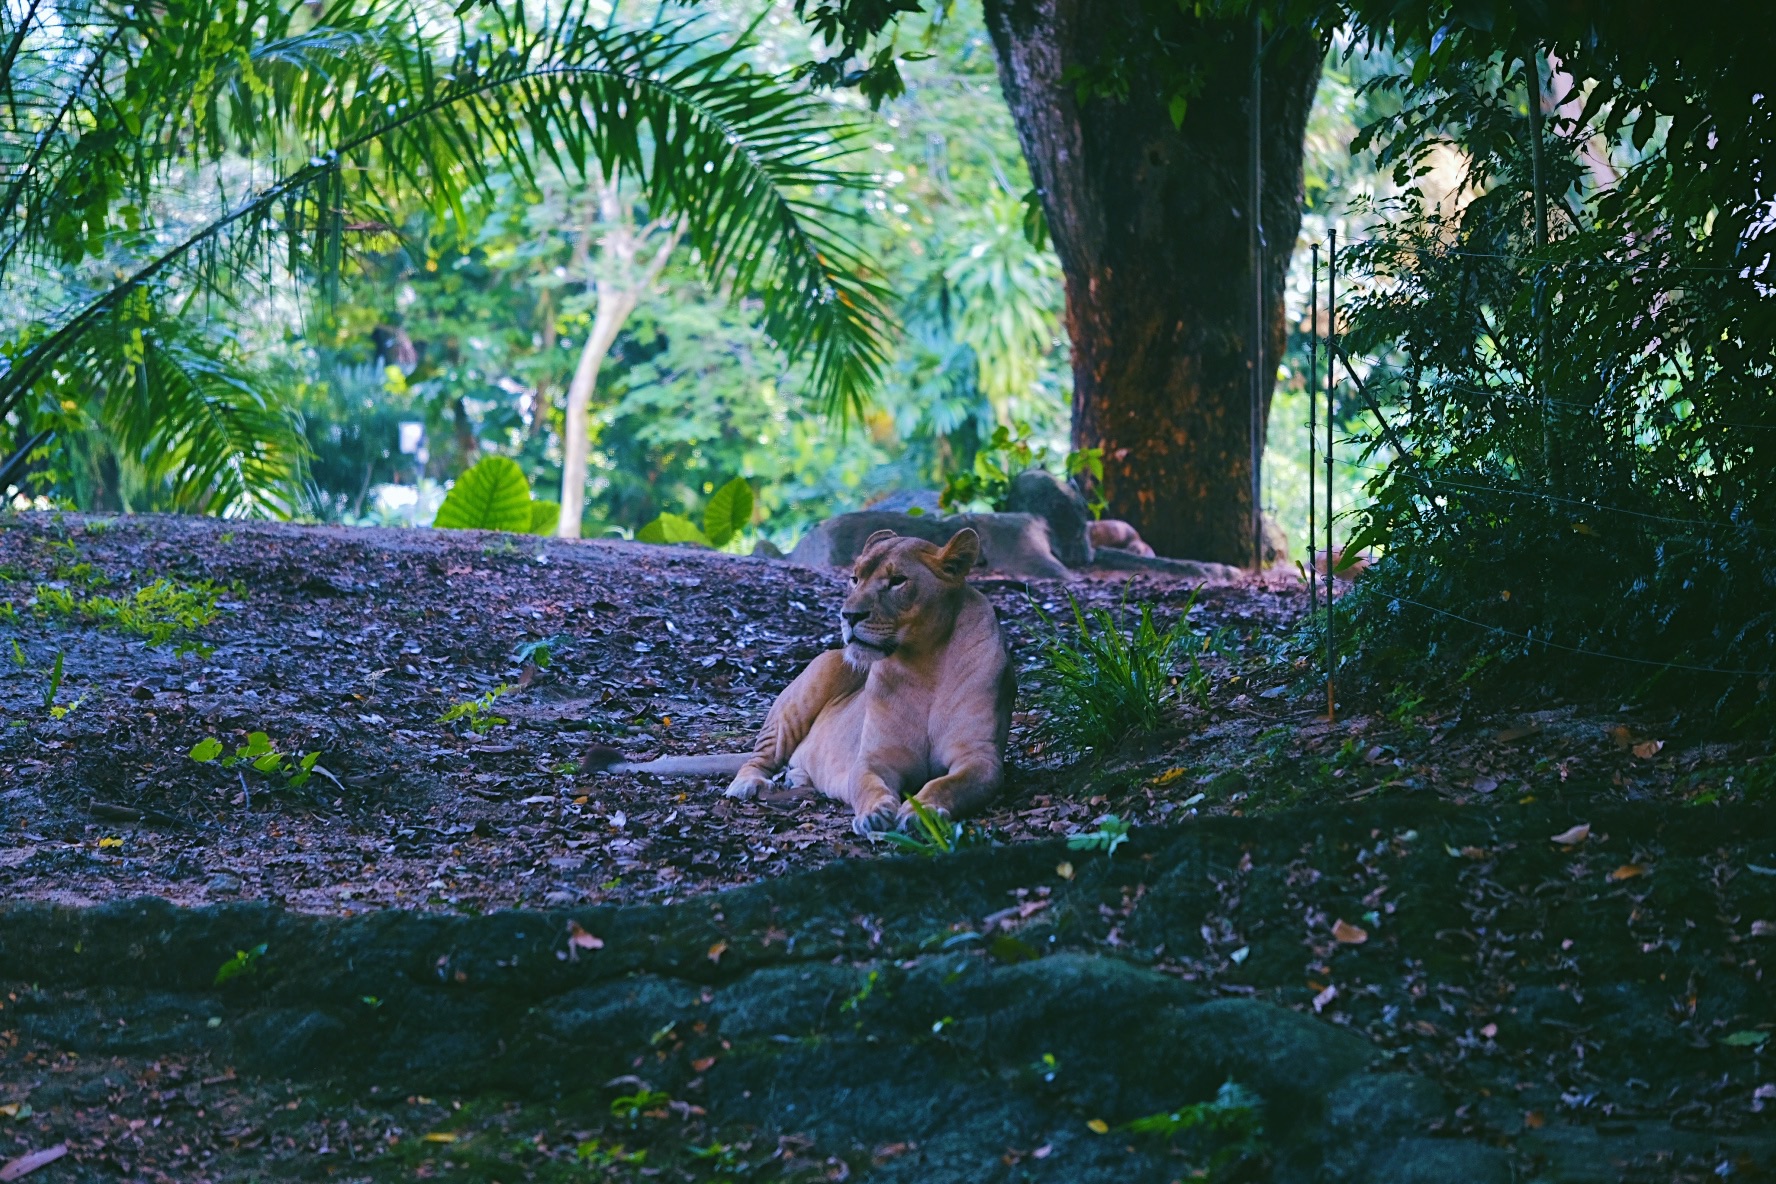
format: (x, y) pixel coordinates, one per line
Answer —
(1150, 223)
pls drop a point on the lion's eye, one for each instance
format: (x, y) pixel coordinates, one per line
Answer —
(896, 581)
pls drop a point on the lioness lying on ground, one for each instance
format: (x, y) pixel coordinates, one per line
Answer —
(920, 696)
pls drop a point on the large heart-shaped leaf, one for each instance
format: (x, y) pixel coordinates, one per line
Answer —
(728, 513)
(671, 528)
(493, 495)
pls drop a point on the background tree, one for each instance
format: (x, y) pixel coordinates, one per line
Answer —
(133, 135)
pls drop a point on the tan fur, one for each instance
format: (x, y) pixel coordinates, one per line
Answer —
(919, 700)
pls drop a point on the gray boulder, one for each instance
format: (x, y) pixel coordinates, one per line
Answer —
(1011, 544)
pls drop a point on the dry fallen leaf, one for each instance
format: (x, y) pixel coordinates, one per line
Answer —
(1572, 835)
(1646, 750)
(578, 938)
(1347, 934)
(1169, 776)
(717, 950)
(439, 1137)
(1485, 784)
(25, 1164)
(1534, 1120)
(1627, 872)
(1098, 1126)
(1489, 1031)
(1763, 928)
(1620, 736)
(1064, 869)
(1323, 998)
(703, 1064)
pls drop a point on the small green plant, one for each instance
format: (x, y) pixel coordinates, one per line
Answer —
(630, 1107)
(478, 712)
(1103, 682)
(1112, 833)
(595, 1153)
(937, 834)
(1224, 1130)
(259, 752)
(728, 512)
(539, 653)
(55, 681)
(158, 612)
(862, 995)
(244, 962)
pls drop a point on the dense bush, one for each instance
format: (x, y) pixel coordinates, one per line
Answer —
(1574, 350)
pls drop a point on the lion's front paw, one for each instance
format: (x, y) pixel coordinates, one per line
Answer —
(909, 813)
(878, 818)
(746, 784)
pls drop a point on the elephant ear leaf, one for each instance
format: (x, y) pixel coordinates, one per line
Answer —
(544, 516)
(728, 513)
(671, 528)
(493, 495)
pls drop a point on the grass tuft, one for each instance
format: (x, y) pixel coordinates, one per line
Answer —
(1102, 682)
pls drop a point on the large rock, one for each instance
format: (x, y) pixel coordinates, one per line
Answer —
(1012, 544)
(1060, 506)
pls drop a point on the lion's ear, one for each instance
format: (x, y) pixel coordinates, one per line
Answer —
(876, 538)
(960, 554)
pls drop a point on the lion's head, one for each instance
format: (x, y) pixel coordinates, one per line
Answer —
(902, 597)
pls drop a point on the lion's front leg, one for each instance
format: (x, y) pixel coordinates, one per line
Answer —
(786, 725)
(874, 802)
(969, 785)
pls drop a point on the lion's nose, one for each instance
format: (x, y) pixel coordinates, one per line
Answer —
(853, 618)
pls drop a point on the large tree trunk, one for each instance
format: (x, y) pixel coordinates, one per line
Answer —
(1151, 224)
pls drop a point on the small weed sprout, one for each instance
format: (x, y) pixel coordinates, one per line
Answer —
(641, 1103)
(539, 653)
(259, 752)
(1112, 833)
(244, 962)
(159, 612)
(478, 712)
(937, 833)
(1227, 1129)
(595, 1153)
(861, 996)
(1104, 682)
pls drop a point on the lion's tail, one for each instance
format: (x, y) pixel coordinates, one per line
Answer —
(604, 759)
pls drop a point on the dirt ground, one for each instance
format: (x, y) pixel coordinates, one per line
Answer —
(352, 644)
(1555, 913)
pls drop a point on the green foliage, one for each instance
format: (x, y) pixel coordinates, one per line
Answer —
(262, 755)
(1003, 457)
(158, 612)
(937, 834)
(494, 495)
(1104, 681)
(55, 680)
(544, 516)
(1112, 833)
(728, 512)
(243, 963)
(671, 528)
(596, 1153)
(356, 116)
(1574, 459)
(540, 652)
(1218, 1133)
(478, 712)
(630, 1107)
